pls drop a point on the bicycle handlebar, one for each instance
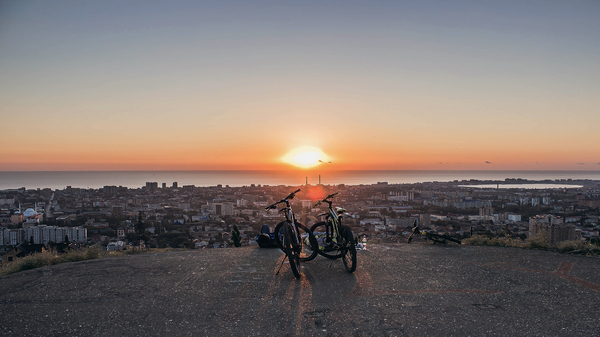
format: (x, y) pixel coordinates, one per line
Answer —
(290, 196)
(325, 200)
(332, 195)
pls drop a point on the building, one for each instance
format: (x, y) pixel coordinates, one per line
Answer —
(43, 234)
(110, 189)
(486, 211)
(425, 220)
(13, 237)
(224, 208)
(513, 217)
(553, 227)
(21, 251)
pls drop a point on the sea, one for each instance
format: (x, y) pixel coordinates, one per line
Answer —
(135, 179)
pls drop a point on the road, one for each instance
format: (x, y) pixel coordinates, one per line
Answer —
(397, 290)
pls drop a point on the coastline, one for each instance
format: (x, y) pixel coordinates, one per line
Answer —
(238, 178)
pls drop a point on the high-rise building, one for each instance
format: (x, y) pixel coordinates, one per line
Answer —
(219, 209)
(553, 227)
(486, 211)
(110, 189)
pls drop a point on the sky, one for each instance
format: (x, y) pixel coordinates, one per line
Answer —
(227, 85)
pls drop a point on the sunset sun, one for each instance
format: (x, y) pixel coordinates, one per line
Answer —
(305, 157)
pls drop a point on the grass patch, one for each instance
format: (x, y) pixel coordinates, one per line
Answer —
(49, 258)
(536, 242)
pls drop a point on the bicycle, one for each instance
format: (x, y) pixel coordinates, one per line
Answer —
(436, 238)
(334, 239)
(290, 236)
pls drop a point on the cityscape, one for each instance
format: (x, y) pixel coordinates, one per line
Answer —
(203, 217)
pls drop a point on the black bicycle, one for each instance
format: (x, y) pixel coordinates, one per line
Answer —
(293, 238)
(429, 235)
(334, 239)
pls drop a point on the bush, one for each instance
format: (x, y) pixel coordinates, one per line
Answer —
(49, 258)
(539, 241)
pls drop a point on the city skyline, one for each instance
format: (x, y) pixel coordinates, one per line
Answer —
(235, 85)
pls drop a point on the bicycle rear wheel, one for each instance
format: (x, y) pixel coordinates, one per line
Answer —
(291, 251)
(308, 243)
(326, 240)
(441, 238)
(349, 250)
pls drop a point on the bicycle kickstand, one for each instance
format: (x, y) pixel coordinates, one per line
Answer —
(281, 265)
(331, 264)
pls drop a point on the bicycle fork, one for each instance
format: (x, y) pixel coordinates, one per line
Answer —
(294, 247)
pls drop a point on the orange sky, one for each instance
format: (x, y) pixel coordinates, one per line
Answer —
(389, 86)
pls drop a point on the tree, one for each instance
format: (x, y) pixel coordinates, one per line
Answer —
(140, 229)
(236, 237)
(67, 239)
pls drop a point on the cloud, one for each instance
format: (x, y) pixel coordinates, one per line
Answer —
(580, 163)
(487, 162)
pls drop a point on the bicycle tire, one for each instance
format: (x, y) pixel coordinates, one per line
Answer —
(309, 246)
(441, 238)
(449, 238)
(323, 233)
(308, 242)
(292, 253)
(349, 251)
(412, 234)
(279, 233)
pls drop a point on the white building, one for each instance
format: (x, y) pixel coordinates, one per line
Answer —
(44, 234)
(514, 217)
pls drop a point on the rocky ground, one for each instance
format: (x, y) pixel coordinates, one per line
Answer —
(397, 290)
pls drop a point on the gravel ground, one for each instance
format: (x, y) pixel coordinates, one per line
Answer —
(397, 290)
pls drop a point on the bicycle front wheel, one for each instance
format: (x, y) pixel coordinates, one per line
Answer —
(280, 234)
(291, 251)
(308, 244)
(414, 231)
(349, 250)
(326, 240)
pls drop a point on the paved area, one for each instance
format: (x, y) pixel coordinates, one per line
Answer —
(397, 290)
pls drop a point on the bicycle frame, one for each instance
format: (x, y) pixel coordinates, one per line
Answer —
(288, 212)
(436, 238)
(337, 240)
(333, 218)
(289, 241)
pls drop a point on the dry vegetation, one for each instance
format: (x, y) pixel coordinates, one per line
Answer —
(49, 258)
(536, 242)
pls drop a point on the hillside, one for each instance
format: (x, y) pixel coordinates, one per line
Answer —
(397, 290)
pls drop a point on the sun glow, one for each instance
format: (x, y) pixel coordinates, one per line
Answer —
(305, 157)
